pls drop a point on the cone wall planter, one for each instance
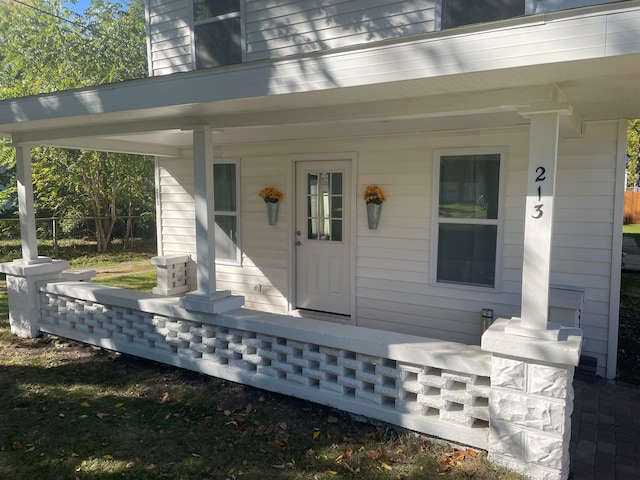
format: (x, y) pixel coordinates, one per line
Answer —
(272, 212)
(373, 214)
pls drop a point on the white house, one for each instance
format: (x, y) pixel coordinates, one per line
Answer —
(497, 132)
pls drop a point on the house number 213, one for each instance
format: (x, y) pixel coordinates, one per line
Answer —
(539, 181)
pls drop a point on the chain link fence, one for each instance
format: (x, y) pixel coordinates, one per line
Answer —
(126, 229)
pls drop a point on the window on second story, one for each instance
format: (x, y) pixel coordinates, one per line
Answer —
(217, 32)
(464, 12)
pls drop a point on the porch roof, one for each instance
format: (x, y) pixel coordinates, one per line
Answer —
(473, 77)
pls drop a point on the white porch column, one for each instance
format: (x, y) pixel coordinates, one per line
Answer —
(26, 211)
(206, 298)
(24, 274)
(205, 220)
(538, 228)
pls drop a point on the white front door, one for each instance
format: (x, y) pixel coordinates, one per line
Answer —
(323, 236)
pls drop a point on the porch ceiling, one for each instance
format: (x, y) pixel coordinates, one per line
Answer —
(427, 84)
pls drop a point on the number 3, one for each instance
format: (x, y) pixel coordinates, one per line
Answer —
(539, 211)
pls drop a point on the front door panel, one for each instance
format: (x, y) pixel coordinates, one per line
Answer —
(323, 264)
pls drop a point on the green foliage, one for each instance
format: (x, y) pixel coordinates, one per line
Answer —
(633, 149)
(45, 48)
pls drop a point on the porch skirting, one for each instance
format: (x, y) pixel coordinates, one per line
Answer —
(431, 386)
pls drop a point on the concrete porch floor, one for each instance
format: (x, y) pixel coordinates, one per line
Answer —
(605, 434)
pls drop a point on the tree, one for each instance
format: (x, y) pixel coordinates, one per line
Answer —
(633, 149)
(45, 48)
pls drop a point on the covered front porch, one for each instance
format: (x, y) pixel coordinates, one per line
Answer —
(511, 396)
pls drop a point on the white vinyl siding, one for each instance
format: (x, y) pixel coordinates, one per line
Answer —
(294, 27)
(169, 36)
(393, 288)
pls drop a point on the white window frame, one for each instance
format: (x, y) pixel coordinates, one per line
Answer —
(436, 221)
(196, 23)
(226, 161)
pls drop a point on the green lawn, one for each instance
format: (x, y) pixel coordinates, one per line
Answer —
(631, 228)
(71, 411)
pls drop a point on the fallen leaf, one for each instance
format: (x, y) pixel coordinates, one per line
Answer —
(30, 449)
(248, 408)
(107, 457)
(227, 413)
(283, 426)
(197, 455)
(102, 414)
(385, 466)
(333, 419)
(75, 455)
(165, 397)
(151, 466)
(16, 446)
(84, 404)
(84, 416)
(119, 405)
(316, 434)
(130, 465)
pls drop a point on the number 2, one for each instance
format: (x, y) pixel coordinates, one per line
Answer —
(541, 171)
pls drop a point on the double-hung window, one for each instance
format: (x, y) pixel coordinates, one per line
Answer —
(468, 217)
(217, 30)
(464, 12)
(226, 203)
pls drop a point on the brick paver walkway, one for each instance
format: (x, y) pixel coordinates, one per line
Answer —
(605, 433)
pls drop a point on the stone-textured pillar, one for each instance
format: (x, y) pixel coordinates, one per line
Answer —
(22, 287)
(531, 400)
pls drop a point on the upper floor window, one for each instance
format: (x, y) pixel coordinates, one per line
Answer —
(217, 32)
(464, 12)
(468, 217)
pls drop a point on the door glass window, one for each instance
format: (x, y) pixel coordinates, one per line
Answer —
(324, 206)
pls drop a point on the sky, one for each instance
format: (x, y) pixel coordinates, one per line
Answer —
(79, 7)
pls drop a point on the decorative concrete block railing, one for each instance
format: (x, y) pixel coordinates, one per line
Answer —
(436, 387)
(513, 396)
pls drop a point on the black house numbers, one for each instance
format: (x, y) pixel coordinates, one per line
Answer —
(540, 182)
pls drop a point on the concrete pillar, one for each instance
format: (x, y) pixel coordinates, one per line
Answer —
(24, 298)
(531, 400)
